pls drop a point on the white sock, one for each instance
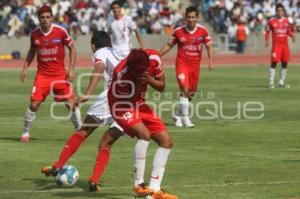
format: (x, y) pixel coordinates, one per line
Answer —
(283, 73)
(272, 72)
(76, 118)
(184, 105)
(140, 152)
(28, 120)
(159, 164)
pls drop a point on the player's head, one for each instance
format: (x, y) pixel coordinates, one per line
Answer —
(116, 8)
(45, 16)
(100, 39)
(137, 62)
(280, 10)
(191, 16)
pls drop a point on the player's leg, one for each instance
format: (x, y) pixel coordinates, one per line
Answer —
(62, 90)
(72, 145)
(105, 145)
(40, 90)
(75, 115)
(29, 118)
(284, 66)
(164, 141)
(275, 57)
(182, 75)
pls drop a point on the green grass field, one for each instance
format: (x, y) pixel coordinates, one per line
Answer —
(220, 158)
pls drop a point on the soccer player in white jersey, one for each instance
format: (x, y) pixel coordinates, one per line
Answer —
(120, 27)
(105, 60)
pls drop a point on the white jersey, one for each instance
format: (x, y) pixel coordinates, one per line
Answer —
(121, 33)
(110, 58)
(100, 109)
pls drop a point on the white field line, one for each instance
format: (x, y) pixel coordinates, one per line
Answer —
(186, 185)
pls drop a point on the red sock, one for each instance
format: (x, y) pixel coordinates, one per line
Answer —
(101, 162)
(71, 147)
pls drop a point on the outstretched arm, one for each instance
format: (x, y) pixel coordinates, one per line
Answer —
(139, 38)
(29, 58)
(94, 79)
(72, 56)
(209, 49)
(165, 49)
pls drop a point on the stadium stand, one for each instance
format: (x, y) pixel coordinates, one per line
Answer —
(81, 17)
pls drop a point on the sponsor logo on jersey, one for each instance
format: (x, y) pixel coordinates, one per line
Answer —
(201, 38)
(56, 40)
(182, 39)
(37, 42)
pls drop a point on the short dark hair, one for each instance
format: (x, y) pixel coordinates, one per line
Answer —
(279, 5)
(117, 2)
(101, 39)
(43, 9)
(191, 9)
(138, 61)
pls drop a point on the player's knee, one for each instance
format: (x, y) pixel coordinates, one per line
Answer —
(34, 106)
(273, 64)
(284, 64)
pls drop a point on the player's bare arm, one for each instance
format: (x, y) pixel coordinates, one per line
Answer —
(165, 49)
(29, 58)
(94, 79)
(209, 49)
(139, 38)
(158, 83)
(72, 56)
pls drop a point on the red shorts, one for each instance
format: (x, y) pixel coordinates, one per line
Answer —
(188, 74)
(280, 53)
(43, 85)
(128, 117)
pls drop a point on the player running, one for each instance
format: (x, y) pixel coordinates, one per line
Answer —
(281, 29)
(127, 104)
(48, 42)
(120, 27)
(105, 59)
(190, 40)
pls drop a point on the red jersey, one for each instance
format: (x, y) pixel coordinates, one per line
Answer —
(122, 86)
(190, 43)
(50, 49)
(281, 29)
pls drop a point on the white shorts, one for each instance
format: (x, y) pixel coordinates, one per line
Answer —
(99, 110)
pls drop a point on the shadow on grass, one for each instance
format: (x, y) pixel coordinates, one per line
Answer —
(86, 194)
(16, 139)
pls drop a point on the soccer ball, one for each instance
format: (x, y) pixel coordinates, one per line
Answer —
(68, 175)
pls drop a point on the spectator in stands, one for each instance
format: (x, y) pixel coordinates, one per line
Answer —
(242, 32)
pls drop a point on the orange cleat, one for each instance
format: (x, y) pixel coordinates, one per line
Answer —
(163, 195)
(49, 171)
(142, 190)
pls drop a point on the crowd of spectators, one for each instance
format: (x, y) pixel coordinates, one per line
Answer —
(224, 14)
(80, 17)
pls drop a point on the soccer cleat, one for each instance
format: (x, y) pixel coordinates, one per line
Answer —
(271, 86)
(283, 85)
(49, 171)
(142, 190)
(163, 195)
(24, 138)
(95, 187)
(187, 122)
(177, 121)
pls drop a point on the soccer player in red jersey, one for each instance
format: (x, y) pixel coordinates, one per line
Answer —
(48, 42)
(126, 99)
(281, 29)
(190, 40)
